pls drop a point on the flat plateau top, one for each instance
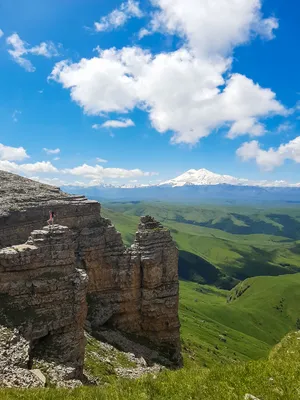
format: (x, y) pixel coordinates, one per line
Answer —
(18, 193)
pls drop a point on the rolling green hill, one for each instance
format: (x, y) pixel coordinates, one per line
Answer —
(221, 326)
(221, 245)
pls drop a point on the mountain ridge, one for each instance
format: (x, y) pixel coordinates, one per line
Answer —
(204, 177)
(201, 177)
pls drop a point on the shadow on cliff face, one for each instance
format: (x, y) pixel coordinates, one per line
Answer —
(12, 316)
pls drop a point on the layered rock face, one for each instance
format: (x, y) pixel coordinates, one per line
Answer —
(159, 266)
(25, 206)
(81, 264)
(44, 294)
(134, 290)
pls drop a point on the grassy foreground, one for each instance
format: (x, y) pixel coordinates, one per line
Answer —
(276, 378)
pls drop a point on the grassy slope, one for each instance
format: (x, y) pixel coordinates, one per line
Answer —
(277, 378)
(215, 330)
(206, 250)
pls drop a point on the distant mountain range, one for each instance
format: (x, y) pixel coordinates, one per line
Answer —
(198, 186)
(204, 177)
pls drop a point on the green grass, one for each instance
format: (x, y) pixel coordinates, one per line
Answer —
(220, 245)
(275, 378)
(215, 329)
(100, 361)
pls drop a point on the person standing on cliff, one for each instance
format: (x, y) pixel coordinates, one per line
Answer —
(51, 219)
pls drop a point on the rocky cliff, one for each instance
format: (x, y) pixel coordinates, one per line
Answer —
(56, 280)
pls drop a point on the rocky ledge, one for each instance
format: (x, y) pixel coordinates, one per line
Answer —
(55, 281)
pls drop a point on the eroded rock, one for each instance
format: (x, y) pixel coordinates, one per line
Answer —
(51, 276)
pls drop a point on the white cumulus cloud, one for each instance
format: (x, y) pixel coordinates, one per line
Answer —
(271, 158)
(51, 151)
(43, 166)
(99, 172)
(123, 123)
(119, 16)
(213, 27)
(246, 126)
(143, 32)
(8, 153)
(1, 33)
(189, 92)
(181, 92)
(101, 160)
(20, 48)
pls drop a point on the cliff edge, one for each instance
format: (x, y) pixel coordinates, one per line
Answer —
(55, 281)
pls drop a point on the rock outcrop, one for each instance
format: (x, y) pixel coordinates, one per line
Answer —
(44, 294)
(53, 278)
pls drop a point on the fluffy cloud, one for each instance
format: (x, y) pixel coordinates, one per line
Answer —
(107, 75)
(8, 153)
(20, 49)
(272, 158)
(43, 166)
(143, 32)
(11, 157)
(212, 27)
(1, 33)
(101, 160)
(51, 151)
(99, 173)
(184, 91)
(119, 16)
(246, 126)
(181, 92)
(123, 123)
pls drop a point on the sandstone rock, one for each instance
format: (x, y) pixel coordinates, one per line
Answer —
(49, 275)
(44, 294)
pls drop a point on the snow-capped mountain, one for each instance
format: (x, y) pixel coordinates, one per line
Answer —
(203, 177)
(198, 186)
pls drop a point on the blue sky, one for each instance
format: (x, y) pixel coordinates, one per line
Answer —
(138, 92)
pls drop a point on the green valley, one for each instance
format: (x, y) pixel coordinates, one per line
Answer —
(221, 245)
(218, 326)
